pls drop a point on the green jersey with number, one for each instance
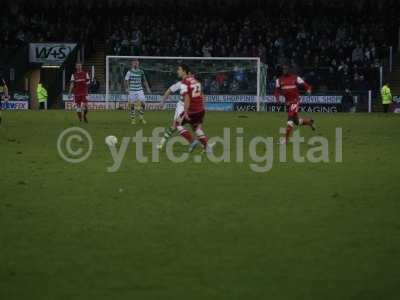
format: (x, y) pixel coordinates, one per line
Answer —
(135, 78)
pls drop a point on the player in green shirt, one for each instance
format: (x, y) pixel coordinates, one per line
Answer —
(134, 80)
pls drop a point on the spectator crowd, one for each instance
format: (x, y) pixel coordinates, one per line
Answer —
(334, 44)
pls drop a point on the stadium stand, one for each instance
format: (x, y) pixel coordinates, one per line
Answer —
(335, 52)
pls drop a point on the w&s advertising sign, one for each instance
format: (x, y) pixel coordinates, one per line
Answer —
(50, 53)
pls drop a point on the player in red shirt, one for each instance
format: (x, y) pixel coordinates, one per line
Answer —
(194, 112)
(288, 86)
(79, 86)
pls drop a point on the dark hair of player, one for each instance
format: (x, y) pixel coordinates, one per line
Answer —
(185, 68)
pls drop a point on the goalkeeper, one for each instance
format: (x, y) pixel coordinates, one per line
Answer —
(134, 80)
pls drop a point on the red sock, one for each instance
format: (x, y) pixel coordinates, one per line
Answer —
(288, 132)
(186, 135)
(200, 135)
(203, 140)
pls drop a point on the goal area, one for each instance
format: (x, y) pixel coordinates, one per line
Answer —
(225, 81)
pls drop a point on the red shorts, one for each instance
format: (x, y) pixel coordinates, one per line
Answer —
(80, 99)
(194, 118)
(293, 111)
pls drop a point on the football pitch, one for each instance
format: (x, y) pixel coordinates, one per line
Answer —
(190, 230)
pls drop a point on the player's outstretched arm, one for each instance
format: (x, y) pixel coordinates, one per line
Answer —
(126, 86)
(146, 84)
(172, 89)
(167, 93)
(277, 92)
(87, 79)
(71, 87)
(301, 81)
(126, 82)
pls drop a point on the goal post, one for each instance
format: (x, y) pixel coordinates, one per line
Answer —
(225, 80)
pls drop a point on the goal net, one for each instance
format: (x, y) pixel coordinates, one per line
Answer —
(226, 81)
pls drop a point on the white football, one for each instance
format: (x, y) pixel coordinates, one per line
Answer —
(111, 140)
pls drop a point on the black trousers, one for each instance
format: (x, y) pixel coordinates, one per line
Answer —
(386, 108)
(42, 105)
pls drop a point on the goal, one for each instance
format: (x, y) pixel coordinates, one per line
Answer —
(226, 81)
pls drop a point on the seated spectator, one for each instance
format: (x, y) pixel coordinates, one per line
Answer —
(221, 81)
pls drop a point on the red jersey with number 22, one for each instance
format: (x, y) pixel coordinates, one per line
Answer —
(191, 87)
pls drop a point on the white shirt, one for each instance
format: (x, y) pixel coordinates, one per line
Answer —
(175, 87)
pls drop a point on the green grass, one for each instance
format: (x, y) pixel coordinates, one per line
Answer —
(198, 231)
